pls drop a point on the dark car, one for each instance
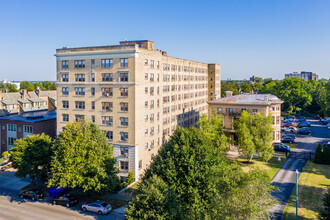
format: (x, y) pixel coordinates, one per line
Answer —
(304, 131)
(303, 124)
(288, 140)
(289, 135)
(31, 194)
(300, 120)
(281, 147)
(66, 200)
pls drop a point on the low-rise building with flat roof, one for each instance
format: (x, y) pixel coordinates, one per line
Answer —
(18, 126)
(231, 107)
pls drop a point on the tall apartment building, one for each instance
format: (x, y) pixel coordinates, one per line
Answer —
(136, 94)
(304, 75)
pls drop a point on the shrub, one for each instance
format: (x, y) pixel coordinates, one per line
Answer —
(322, 154)
(130, 178)
(5, 154)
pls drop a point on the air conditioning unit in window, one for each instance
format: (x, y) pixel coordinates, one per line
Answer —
(107, 94)
(126, 155)
(110, 123)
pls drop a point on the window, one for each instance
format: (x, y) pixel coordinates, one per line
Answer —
(93, 64)
(92, 91)
(109, 135)
(107, 63)
(80, 105)
(123, 165)
(123, 62)
(146, 117)
(145, 131)
(107, 120)
(11, 140)
(123, 121)
(219, 109)
(107, 77)
(79, 64)
(65, 64)
(123, 77)
(157, 64)
(123, 151)
(107, 106)
(65, 77)
(151, 77)
(93, 118)
(28, 129)
(12, 127)
(151, 90)
(124, 92)
(140, 164)
(65, 104)
(145, 61)
(65, 117)
(146, 76)
(80, 77)
(92, 77)
(146, 90)
(124, 106)
(80, 90)
(229, 110)
(277, 120)
(79, 117)
(123, 136)
(107, 91)
(255, 110)
(65, 91)
(146, 104)
(151, 64)
(273, 118)
(93, 105)
(151, 104)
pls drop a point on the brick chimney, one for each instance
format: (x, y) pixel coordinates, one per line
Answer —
(24, 93)
(38, 90)
(229, 93)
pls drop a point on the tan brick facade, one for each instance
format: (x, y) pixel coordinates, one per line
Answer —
(162, 92)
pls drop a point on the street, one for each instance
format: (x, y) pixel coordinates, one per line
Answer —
(285, 178)
(12, 207)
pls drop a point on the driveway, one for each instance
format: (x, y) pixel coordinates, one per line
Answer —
(9, 181)
(285, 178)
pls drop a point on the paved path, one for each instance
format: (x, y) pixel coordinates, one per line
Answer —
(8, 180)
(285, 178)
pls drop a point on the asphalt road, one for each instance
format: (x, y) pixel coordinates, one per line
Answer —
(285, 178)
(14, 208)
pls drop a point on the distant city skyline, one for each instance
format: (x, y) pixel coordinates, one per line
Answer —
(262, 38)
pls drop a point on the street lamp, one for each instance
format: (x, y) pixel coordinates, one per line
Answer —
(297, 194)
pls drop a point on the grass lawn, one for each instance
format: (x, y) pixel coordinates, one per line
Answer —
(312, 185)
(271, 167)
(132, 189)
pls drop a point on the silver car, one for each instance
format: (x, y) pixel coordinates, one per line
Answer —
(99, 207)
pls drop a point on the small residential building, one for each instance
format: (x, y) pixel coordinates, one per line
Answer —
(304, 75)
(18, 126)
(231, 107)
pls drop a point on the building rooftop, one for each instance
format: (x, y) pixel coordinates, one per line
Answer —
(248, 98)
(36, 116)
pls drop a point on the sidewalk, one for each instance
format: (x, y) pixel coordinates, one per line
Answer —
(9, 181)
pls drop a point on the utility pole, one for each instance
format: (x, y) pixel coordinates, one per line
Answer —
(297, 194)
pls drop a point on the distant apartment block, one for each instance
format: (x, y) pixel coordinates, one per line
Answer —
(18, 126)
(24, 101)
(231, 107)
(304, 75)
(136, 94)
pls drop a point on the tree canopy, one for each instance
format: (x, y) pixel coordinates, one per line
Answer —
(44, 85)
(255, 135)
(191, 179)
(83, 159)
(32, 156)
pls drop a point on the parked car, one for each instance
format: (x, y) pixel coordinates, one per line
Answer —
(288, 120)
(289, 117)
(328, 144)
(304, 131)
(288, 125)
(300, 120)
(66, 200)
(281, 147)
(289, 129)
(99, 207)
(31, 194)
(303, 124)
(288, 140)
(289, 135)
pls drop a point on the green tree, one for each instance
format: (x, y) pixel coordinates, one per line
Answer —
(8, 87)
(255, 135)
(32, 156)
(212, 128)
(158, 200)
(130, 177)
(83, 159)
(37, 84)
(5, 154)
(319, 154)
(324, 213)
(49, 85)
(196, 176)
(27, 85)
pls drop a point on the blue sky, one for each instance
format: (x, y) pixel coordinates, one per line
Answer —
(248, 37)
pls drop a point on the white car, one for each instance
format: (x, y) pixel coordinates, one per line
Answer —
(289, 129)
(99, 207)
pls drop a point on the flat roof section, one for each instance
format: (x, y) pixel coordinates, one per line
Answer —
(36, 116)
